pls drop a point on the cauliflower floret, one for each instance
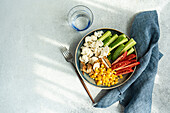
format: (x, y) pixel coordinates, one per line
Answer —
(84, 58)
(88, 39)
(98, 34)
(99, 43)
(86, 44)
(93, 59)
(104, 51)
(90, 54)
(92, 48)
(94, 38)
(96, 65)
(92, 45)
(98, 52)
(95, 49)
(87, 51)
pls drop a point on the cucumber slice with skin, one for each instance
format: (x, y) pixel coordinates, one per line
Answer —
(128, 45)
(117, 52)
(109, 57)
(120, 40)
(105, 35)
(130, 51)
(106, 40)
(115, 36)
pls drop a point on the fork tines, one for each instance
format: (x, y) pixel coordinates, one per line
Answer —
(67, 55)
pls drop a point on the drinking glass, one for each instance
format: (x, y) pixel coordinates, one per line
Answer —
(80, 17)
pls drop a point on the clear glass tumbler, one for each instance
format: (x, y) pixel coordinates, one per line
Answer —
(80, 17)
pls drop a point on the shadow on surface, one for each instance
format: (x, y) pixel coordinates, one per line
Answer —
(102, 93)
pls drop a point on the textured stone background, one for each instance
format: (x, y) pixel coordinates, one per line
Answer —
(35, 78)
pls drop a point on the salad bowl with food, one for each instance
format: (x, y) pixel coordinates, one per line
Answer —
(106, 58)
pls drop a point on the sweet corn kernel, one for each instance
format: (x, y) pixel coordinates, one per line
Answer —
(112, 83)
(109, 53)
(109, 69)
(114, 72)
(107, 79)
(120, 76)
(101, 73)
(108, 72)
(102, 70)
(110, 79)
(116, 82)
(114, 75)
(91, 75)
(99, 82)
(102, 66)
(99, 77)
(108, 85)
(104, 76)
(96, 69)
(95, 74)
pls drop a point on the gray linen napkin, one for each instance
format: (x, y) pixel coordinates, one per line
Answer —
(136, 94)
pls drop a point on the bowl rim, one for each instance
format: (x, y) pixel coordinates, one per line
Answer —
(111, 87)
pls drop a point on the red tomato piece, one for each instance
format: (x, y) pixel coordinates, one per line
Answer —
(119, 65)
(130, 57)
(122, 57)
(124, 71)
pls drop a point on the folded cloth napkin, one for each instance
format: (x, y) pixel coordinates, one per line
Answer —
(136, 94)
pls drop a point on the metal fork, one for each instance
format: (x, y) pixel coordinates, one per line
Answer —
(69, 58)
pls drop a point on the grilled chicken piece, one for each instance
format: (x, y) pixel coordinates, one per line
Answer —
(83, 66)
(91, 73)
(96, 65)
(106, 62)
(89, 68)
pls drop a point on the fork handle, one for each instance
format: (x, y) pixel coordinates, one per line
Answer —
(84, 85)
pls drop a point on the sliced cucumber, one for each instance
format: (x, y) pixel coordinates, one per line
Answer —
(109, 57)
(128, 45)
(117, 52)
(105, 35)
(115, 36)
(130, 51)
(120, 40)
(106, 40)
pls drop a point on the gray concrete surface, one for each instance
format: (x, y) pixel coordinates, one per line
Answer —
(35, 78)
